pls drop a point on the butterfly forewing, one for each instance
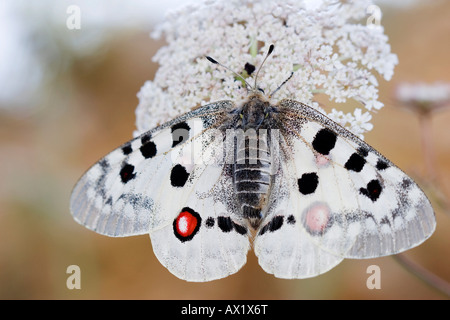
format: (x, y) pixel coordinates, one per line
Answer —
(120, 194)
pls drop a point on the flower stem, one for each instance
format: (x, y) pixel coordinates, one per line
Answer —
(423, 274)
(427, 145)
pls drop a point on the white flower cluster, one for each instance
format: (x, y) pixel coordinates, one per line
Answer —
(424, 98)
(326, 43)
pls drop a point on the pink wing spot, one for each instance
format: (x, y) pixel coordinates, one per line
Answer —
(322, 160)
(317, 218)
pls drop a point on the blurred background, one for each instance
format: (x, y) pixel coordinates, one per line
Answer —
(68, 97)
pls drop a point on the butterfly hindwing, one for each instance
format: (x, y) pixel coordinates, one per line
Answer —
(218, 243)
(205, 240)
(282, 245)
(343, 199)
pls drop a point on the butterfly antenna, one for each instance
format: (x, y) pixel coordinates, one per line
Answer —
(237, 74)
(279, 87)
(259, 69)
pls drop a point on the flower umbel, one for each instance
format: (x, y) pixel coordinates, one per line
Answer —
(323, 42)
(424, 97)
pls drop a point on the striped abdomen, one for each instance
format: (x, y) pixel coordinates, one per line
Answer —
(251, 173)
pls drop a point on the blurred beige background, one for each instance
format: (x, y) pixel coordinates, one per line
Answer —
(67, 107)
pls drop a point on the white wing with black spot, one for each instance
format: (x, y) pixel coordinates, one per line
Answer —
(169, 182)
(335, 197)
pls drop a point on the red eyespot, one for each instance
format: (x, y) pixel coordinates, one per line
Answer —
(187, 224)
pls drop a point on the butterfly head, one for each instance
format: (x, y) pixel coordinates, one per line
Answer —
(254, 111)
(254, 90)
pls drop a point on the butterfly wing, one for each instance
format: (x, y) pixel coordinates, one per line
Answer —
(336, 197)
(220, 245)
(283, 246)
(166, 182)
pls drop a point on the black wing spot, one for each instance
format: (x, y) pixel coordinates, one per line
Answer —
(324, 141)
(273, 225)
(308, 183)
(291, 219)
(146, 138)
(178, 176)
(381, 164)
(406, 183)
(148, 150)
(126, 149)
(180, 133)
(239, 229)
(363, 151)
(209, 222)
(373, 190)
(127, 173)
(355, 163)
(225, 224)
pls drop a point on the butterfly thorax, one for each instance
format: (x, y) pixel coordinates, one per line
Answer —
(252, 161)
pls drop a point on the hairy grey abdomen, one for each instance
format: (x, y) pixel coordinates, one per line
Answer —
(252, 178)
